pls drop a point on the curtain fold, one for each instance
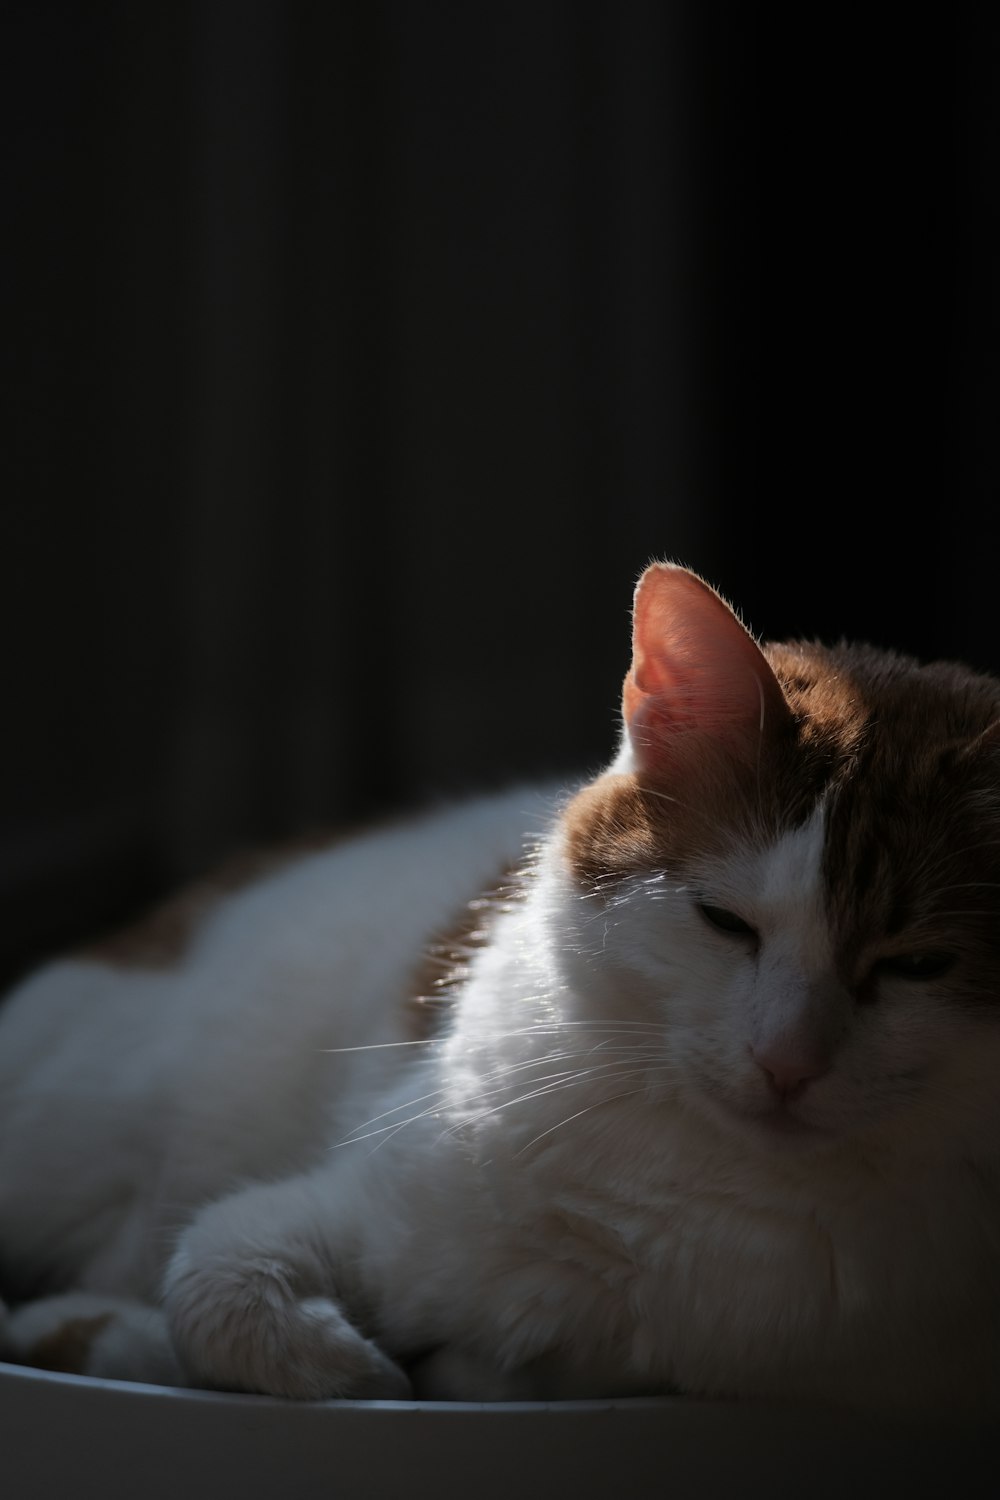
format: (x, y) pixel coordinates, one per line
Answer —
(364, 353)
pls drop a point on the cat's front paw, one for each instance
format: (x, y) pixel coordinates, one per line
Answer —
(241, 1327)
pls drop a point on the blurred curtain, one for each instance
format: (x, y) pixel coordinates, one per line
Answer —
(361, 364)
(363, 353)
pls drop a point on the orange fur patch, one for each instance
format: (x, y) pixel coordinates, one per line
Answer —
(445, 963)
(622, 824)
(713, 787)
(67, 1349)
(611, 828)
(160, 939)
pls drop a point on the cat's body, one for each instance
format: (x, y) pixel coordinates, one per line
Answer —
(713, 1106)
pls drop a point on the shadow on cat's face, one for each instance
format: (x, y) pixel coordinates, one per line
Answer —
(746, 1013)
(809, 919)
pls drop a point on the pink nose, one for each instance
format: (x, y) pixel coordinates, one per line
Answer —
(787, 1073)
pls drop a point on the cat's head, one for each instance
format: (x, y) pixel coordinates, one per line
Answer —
(791, 877)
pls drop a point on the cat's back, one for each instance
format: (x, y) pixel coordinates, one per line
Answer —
(335, 921)
(213, 1041)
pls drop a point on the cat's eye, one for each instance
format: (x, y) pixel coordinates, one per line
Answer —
(916, 965)
(725, 921)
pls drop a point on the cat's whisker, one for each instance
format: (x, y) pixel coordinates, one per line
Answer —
(620, 1022)
(362, 1132)
(392, 1129)
(436, 1094)
(627, 1094)
(380, 1046)
(611, 1029)
(584, 1075)
(629, 1054)
(946, 916)
(353, 1134)
(954, 855)
(648, 791)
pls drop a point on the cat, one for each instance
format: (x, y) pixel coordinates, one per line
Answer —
(704, 1101)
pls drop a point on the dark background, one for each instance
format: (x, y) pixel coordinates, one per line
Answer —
(359, 355)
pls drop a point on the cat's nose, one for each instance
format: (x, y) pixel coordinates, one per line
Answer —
(788, 1073)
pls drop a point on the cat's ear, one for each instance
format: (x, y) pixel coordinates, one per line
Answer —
(696, 673)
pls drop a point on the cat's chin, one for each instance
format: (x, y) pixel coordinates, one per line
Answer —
(782, 1123)
(774, 1128)
(780, 1131)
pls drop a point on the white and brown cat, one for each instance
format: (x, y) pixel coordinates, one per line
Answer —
(712, 1103)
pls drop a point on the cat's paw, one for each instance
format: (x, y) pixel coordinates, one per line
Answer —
(88, 1333)
(243, 1328)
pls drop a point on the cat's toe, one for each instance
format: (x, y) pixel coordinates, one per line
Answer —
(354, 1365)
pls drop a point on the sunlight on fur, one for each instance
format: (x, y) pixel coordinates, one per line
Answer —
(681, 1079)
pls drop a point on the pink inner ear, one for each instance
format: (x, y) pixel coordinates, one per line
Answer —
(694, 668)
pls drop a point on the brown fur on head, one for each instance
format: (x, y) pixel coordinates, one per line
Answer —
(731, 740)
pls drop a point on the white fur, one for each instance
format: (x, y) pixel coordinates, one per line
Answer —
(130, 1341)
(581, 1189)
